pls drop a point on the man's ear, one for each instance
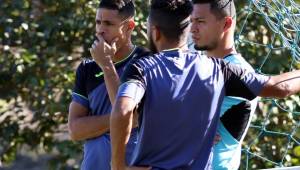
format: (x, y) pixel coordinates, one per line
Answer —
(129, 28)
(131, 24)
(228, 23)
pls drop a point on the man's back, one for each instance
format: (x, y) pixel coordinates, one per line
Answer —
(182, 93)
(178, 86)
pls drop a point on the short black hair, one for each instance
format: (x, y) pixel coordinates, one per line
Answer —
(171, 16)
(220, 8)
(124, 7)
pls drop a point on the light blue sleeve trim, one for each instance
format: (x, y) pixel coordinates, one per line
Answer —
(80, 99)
(132, 89)
(80, 95)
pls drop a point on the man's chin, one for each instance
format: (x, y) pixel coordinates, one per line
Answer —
(200, 48)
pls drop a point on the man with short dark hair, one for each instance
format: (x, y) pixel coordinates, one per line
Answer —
(179, 95)
(213, 26)
(97, 82)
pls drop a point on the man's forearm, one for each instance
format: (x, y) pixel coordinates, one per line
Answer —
(121, 124)
(283, 85)
(89, 126)
(293, 80)
(112, 81)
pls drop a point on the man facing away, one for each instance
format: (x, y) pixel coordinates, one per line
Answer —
(97, 82)
(213, 25)
(179, 94)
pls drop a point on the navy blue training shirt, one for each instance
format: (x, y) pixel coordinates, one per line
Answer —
(180, 94)
(90, 91)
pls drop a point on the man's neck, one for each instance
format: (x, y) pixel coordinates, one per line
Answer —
(168, 46)
(224, 48)
(123, 52)
(221, 53)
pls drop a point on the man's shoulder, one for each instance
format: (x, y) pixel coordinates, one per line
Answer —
(88, 68)
(238, 59)
(141, 52)
(151, 60)
(88, 64)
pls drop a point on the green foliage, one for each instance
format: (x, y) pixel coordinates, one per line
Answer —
(41, 44)
(273, 139)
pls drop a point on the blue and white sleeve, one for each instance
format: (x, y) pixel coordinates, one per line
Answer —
(242, 83)
(132, 83)
(131, 89)
(79, 94)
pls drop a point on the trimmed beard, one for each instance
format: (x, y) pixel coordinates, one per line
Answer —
(208, 47)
